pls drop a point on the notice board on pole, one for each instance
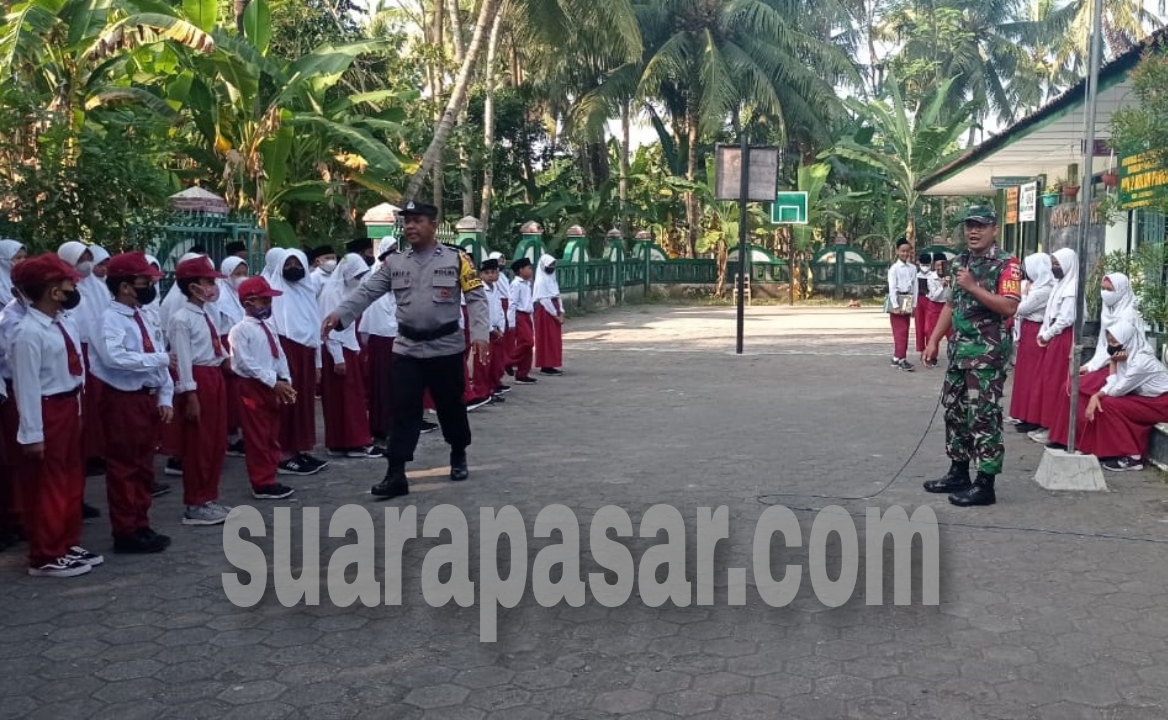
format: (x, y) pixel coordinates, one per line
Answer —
(763, 172)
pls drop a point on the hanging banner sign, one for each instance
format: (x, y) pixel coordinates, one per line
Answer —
(1012, 206)
(1143, 180)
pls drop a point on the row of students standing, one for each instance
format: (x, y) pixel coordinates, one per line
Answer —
(1123, 388)
(916, 296)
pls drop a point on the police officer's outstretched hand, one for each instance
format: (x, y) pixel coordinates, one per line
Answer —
(332, 322)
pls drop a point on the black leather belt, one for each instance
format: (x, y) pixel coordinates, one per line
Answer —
(425, 335)
(65, 395)
(139, 391)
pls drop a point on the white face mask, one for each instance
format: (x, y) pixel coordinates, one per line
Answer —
(1110, 297)
(85, 269)
(237, 280)
(328, 266)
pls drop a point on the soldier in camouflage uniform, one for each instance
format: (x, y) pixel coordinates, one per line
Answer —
(986, 286)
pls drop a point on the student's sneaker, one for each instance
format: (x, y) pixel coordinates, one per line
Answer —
(82, 555)
(1123, 464)
(502, 389)
(211, 513)
(497, 399)
(1011, 420)
(906, 366)
(428, 427)
(275, 491)
(159, 489)
(476, 404)
(61, 568)
(895, 365)
(235, 449)
(1025, 427)
(526, 380)
(143, 542)
(1040, 436)
(550, 371)
(369, 451)
(173, 467)
(296, 466)
(312, 461)
(89, 512)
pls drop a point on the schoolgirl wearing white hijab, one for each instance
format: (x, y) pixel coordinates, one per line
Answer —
(549, 318)
(174, 298)
(11, 252)
(342, 396)
(378, 328)
(296, 318)
(87, 318)
(1119, 305)
(153, 311)
(1025, 398)
(1056, 336)
(1117, 421)
(229, 312)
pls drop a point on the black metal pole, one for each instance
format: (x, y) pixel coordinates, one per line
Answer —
(743, 194)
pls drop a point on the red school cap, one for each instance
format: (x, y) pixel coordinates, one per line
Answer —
(255, 287)
(196, 268)
(132, 264)
(43, 269)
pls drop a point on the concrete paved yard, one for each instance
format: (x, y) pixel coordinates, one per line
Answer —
(1041, 617)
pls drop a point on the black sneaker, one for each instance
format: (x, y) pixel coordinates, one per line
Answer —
(159, 489)
(526, 380)
(906, 366)
(89, 512)
(61, 568)
(1025, 427)
(1123, 464)
(458, 468)
(140, 543)
(476, 404)
(502, 389)
(150, 534)
(497, 399)
(80, 554)
(235, 449)
(428, 427)
(275, 491)
(312, 461)
(296, 466)
(173, 467)
(550, 371)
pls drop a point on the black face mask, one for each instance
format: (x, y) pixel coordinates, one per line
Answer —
(294, 274)
(146, 295)
(72, 299)
(368, 260)
(1114, 349)
(1057, 272)
(549, 270)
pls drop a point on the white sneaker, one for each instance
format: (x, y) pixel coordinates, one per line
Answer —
(1040, 436)
(82, 555)
(61, 568)
(211, 513)
(1012, 420)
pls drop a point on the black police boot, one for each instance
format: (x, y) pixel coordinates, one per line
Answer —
(982, 492)
(458, 468)
(956, 480)
(394, 485)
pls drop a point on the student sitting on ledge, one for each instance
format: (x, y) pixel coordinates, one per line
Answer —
(1118, 420)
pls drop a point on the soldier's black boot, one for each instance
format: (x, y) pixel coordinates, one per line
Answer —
(394, 485)
(956, 480)
(982, 492)
(458, 468)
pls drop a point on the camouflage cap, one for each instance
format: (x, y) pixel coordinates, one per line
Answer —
(980, 214)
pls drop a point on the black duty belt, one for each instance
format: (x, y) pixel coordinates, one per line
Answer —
(411, 333)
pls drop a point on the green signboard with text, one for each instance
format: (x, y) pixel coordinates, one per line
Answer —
(1143, 181)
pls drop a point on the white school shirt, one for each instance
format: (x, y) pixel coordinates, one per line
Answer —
(190, 339)
(1063, 318)
(119, 359)
(521, 298)
(40, 368)
(251, 353)
(938, 290)
(495, 308)
(902, 280)
(1032, 307)
(1141, 374)
(10, 318)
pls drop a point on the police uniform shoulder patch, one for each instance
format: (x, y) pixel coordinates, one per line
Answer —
(468, 277)
(1010, 281)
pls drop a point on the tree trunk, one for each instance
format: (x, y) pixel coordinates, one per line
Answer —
(463, 157)
(454, 105)
(240, 7)
(455, 30)
(626, 123)
(691, 200)
(489, 124)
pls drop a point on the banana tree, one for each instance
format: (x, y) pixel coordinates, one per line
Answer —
(276, 129)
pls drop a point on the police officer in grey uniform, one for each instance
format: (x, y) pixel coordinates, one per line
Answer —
(428, 281)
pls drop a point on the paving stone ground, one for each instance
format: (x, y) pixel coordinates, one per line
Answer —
(1053, 605)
